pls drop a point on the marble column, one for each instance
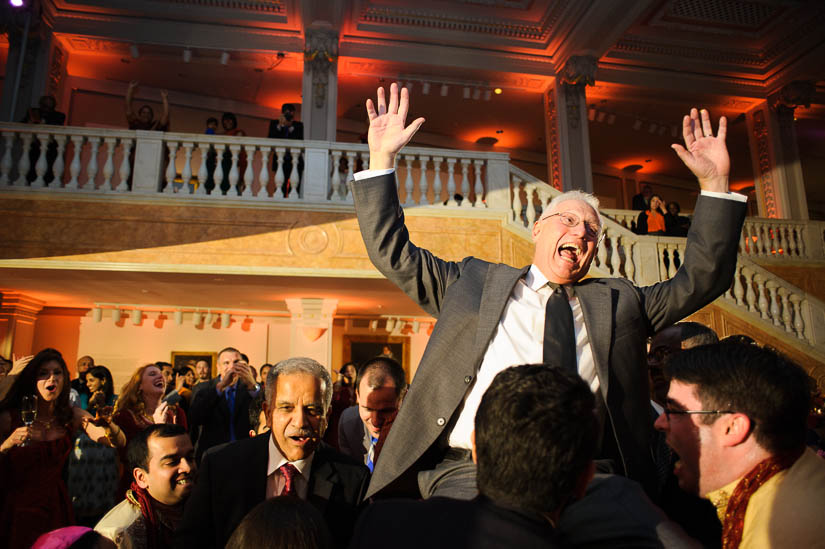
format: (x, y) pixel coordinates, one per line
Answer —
(18, 315)
(311, 328)
(320, 83)
(566, 130)
(780, 188)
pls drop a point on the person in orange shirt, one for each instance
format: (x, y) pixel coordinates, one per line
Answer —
(652, 220)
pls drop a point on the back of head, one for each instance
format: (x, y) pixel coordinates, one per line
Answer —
(535, 433)
(380, 370)
(773, 391)
(694, 334)
(283, 521)
(138, 448)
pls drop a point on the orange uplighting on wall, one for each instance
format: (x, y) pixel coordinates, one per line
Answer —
(739, 186)
(648, 165)
(506, 137)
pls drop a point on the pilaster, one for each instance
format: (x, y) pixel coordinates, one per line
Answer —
(18, 314)
(320, 83)
(311, 328)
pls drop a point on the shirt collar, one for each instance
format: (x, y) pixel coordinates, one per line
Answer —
(535, 279)
(276, 459)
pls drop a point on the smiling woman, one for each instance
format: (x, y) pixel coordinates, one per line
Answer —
(34, 450)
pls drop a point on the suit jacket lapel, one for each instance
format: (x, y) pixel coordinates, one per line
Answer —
(256, 469)
(321, 479)
(598, 310)
(498, 286)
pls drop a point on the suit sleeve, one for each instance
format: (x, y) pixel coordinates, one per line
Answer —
(197, 526)
(708, 265)
(420, 274)
(203, 401)
(345, 445)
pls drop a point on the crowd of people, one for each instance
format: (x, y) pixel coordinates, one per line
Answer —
(656, 218)
(548, 410)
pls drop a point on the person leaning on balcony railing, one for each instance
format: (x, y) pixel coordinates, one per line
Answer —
(144, 119)
(492, 315)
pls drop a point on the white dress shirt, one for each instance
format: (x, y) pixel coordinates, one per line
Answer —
(275, 481)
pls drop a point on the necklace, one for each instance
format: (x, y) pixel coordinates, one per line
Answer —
(47, 425)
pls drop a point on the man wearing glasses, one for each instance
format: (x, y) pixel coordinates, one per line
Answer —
(736, 416)
(492, 316)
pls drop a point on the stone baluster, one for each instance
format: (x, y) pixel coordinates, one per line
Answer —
(629, 267)
(437, 187)
(203, 171)
(294, 180)
(186, 171)
(263, 176)
(41, 166)
(335, 179)
(781, 242)
(478, 186)
(234, 172)
(408, 180)
(59, 163)
(762, 301)
(801, 240)
(279, 173)
(662, 250)
(787, 315)
(352, 160)
(615, 258)
(125, 165)
(109, 164)
(218, 176)
(798, 323)
(531, 209)
(764, 241)
(74, 167)
(515, 184)
(465, 184)
(451, 191)
(423, 182)
(743, 240)
(171, 169)
(671, 266)
(248, 176)
(24, 164)
(750, 296)
(6, 162)
(601, 254)
(794, 236)
(91, 167)
(738, 290)
(772, 287)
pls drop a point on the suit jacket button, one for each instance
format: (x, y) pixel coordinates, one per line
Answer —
(441, 421)
(468, 379)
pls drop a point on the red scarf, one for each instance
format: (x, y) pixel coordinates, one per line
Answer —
(734, 523)
(140, 497)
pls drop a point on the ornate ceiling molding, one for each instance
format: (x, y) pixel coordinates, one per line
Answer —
(266, 6)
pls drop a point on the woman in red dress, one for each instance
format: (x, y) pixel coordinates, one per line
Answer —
(33, 495)
(140, 405)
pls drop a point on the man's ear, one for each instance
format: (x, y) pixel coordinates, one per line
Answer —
(583, 480)
(536, 230)
(140, 477)
(737, 429)
(473, 442)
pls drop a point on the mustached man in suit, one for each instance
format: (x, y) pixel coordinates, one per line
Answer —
(491, 316)
(379, 387)
(534, 441)
(289, 460)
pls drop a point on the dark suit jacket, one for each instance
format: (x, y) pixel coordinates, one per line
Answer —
(232, 480)
(353, 439)
(209, 415)
(283, 133)
(468, 298)
(446, 522)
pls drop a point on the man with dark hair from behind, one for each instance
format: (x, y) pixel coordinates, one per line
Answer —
(163, 464)
(736, 416)
(282, 521)
(534, 441)
(379, 388)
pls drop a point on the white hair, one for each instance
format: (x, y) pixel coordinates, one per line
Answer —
(575, 194)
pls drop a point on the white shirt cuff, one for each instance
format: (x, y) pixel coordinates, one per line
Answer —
(365, 174)
(727, 196)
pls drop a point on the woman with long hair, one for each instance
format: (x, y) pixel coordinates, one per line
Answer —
(33, 496)
(101, 388)
(140, 405)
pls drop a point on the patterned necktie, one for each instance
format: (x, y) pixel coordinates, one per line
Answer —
(289, 472)
(371, 454)
(559, 334)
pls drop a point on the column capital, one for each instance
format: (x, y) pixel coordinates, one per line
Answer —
(580, 70)
(792, 95)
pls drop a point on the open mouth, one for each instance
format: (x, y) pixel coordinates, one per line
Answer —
(184, 481)
(51, 388)
(300, 439)
(159, 383)
(570, 252)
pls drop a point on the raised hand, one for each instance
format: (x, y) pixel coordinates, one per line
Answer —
(706, 156)
(388, 134)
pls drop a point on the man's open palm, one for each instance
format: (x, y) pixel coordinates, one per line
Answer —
(706, 156)
(388, 133)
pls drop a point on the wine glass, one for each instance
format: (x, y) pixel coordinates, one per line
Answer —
(28, 410)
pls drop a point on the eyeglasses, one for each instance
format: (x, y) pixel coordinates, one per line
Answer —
(671, 412)
(571, 219)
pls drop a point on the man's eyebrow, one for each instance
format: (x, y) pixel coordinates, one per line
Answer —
(170, 456)
(672, 403)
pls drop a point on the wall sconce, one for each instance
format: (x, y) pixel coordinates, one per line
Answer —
(210, 318)
(187, 55)
(197, 317)
(97, 314)
(416, 325)
(390, 326)
(373, 325)
(225, 58)
(137, 316)
(178, 317)
(116, 315)
(225, 320)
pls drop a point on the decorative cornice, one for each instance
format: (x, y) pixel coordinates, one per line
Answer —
(265, 6)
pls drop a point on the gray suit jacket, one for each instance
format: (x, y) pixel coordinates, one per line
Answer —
(353, 439)
(468, 298)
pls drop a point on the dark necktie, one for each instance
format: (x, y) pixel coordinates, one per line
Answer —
(559, 334)
(289, 472)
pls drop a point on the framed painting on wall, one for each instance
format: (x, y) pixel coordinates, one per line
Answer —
(190, 358)
(360, 348)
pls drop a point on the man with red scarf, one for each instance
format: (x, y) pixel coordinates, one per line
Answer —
(162, 459)
(736, 416)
